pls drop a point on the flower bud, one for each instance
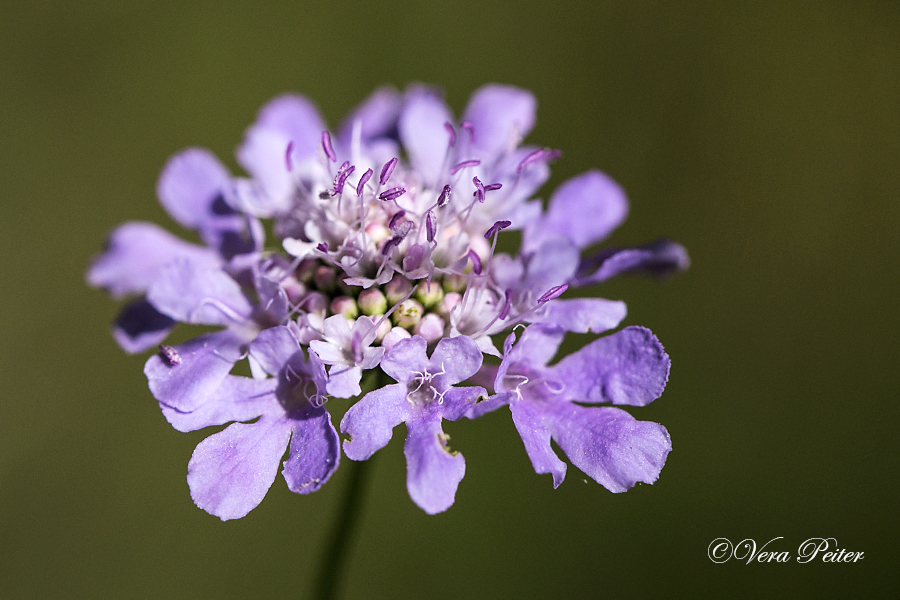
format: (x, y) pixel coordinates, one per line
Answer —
(325, 279)
(447, 303)
(397, 289)
(408, 314)
(393, 336)
(345, 305)
(431, 327)
(429, 294)
(372, 302)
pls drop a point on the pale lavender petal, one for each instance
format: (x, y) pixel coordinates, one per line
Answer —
(273, 348)
(406, 357)
(628, 367)
(314, 452)
(343, 381)
(582, 315)
(135, 253)
(501, 115)
(490, 404)
(272, 299)
(456, 358)
(536, 346)
(433, 471)
(236, 399)
(371, 421)
(553, 263)
(192, 293)
(530, 422)
(140, 327)
(377, 117)
(204, 363)
(231, 471)
(422, 131)
(297, 119)
(662, 257)
(189, 184)
(262, 155)
(592, 193)
(611, 446)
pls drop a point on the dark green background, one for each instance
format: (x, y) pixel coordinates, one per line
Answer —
(766, 138)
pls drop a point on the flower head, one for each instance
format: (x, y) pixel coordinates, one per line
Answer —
(386, 259)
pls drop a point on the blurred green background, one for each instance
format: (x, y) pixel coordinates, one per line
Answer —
(764, 137)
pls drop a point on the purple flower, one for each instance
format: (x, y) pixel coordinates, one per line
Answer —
(627, 368)
(231, 471)
(423, 396)
(385, 257)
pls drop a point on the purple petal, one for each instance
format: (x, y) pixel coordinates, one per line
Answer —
(231, 471)
(530, 421)
(628, 367)
(457, 358)
(371, 421)
(551, 265)
(272, 298)
(377, 116)
(501, 115)
(583, 315)
(273, 348)
(490, 404)
(536, 346)
(134, 254)
(611, 446)
(662, 257)
(459, 402)
(405, 358)
(193, 293)
(189, 184)
(140, 327)
(343, 381)
(314, 453)
(433, 471)
(422, 131)
(205, 361)
(236, 399)
(591, 193)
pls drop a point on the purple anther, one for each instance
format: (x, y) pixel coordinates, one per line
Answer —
(386, 170)
(171, 355)
(495, 228)
(323, 247)
(554, 292)
(392, 193)
(470, 128)
(327, 147)
(506, 304)
(466, 163)
(479, 189)
(430, 226)
(287, 156)
(551, 154)
(476, 262)
(357, 346)
(403, 229)
(391, 244)
(450, 131)
(532, 157)
(363, 181)
(444, 198)
(396, 219)
(342, 178)
(493, 186)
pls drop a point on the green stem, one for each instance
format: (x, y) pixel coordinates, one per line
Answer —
(342, 534)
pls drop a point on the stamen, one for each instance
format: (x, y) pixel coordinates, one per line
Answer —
(430, 226)
(463, 165)
(363, 181)
(392, 193)
(554, 292)
(476, 262)
(386, 170)
(396, 306)
(492, 187)
(450, 131)
(496, 227)
(287, 156)
(391, 244)
(479, 189)
(343, 174)
(403, 229)
(396, 219)
(327, 147)
(444, 198)
(171, 354)
(506, 305)
(323, 247)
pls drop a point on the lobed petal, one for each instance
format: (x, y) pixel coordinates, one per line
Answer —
(433, 471)
(314, 452)
(236, 399)
(194, 293)
(422, 132)
(371, 421)
(457, 358)
(611, 446)
(375, 117)
(405, 358)
(530, 421)
(628, 367)
(660, 258)
(343, 381)
(583, 315)
(231, 471)
(189, 184)
(502, 115)
(273, 348)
